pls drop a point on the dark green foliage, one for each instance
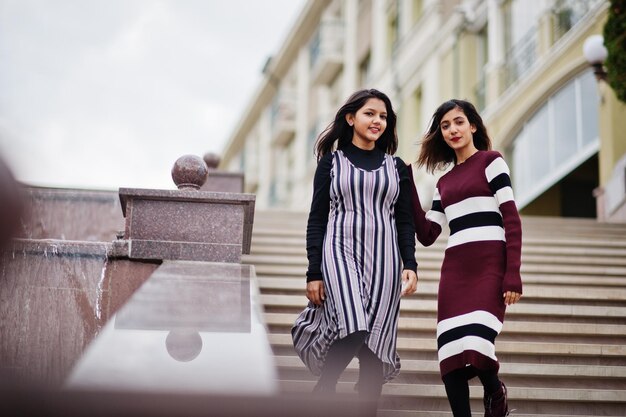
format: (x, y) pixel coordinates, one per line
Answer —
(615, 42)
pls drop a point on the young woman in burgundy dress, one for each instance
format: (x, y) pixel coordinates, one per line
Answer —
(361, 249)
(480, 274)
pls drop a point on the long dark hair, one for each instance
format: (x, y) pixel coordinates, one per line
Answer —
(435, 152)
(341, 132)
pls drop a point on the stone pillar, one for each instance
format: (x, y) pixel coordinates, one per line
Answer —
(221, 181)
(186, 224)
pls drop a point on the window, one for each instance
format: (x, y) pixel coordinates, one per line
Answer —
(561, 135)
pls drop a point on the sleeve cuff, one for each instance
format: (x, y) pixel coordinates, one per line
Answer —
(411, 265)
(512, 283)
(313, 276)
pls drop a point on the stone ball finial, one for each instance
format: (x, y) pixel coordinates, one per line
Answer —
(190, 172)
(212, 160)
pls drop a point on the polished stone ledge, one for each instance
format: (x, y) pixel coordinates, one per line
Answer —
(70, 214)
(192, 327)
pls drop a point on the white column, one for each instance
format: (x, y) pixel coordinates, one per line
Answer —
(281, 174)
(266, 160)
(325, 112)
(350, 59)
(301, 154)
(495, 42)
(379, 37)
(405, 16)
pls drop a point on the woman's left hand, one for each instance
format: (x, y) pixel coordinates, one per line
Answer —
(511, 297)
(409, 282)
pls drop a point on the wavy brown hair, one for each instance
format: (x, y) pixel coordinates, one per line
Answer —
(341, 132)
(435, 153)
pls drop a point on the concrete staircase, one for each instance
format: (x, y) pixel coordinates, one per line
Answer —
(562, 349)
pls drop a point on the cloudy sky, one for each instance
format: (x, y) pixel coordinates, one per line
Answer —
(109, 93)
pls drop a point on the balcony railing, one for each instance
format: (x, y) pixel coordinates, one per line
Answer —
(520, 57)
(283, 117)
(326, 50)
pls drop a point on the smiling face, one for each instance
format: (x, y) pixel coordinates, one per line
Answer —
(369, 123)
(458, 132)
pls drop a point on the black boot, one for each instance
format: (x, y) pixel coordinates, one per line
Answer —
(496, 404)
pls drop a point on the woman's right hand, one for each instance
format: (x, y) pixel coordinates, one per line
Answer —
(315, 292)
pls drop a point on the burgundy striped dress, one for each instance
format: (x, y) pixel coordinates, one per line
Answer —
(481, 261)
(361, 266)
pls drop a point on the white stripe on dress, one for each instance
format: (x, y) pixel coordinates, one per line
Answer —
(470, 206)
(476, 234)
(437, 217)
(495, 168)
(480, 345)
(504, 194)
(479, 316)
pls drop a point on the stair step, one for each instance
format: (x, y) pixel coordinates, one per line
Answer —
(294, 255)
(566, 294)
(506, 369)
(545, 349)
(410, 304)
(392, 389)
(574, 273)
(511, 327)
(528, 279)
(436, 413)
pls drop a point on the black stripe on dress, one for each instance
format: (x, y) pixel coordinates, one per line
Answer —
(500, 181)
(437, 206)
(474, 329)
(484, 218)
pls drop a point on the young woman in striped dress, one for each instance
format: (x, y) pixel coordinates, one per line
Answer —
(360, 246)
(480, 274)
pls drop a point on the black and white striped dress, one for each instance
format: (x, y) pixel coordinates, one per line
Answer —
(361, 267)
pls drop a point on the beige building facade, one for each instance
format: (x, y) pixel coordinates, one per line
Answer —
(519, 61)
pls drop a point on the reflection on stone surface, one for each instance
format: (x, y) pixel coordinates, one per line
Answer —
(192, 327)
(55, 296)
(51, 305)
(202, 296)
(183, 345)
